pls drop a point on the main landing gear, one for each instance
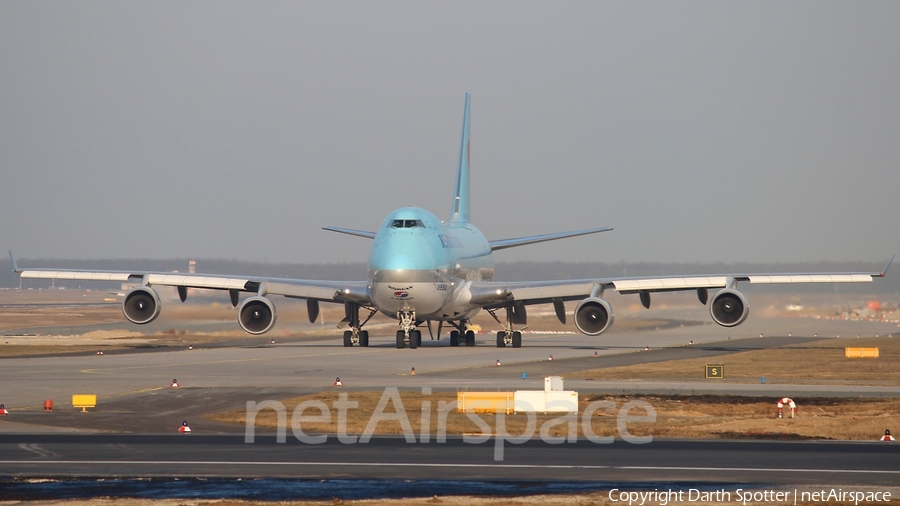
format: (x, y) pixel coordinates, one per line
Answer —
(504, 338)
(356, 335)
(515, 314)
(409, 334)
(461, 335)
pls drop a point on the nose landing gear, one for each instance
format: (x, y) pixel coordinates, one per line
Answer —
(408, 332)
(414, 338)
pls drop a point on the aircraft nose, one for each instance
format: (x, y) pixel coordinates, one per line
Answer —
(400, 262)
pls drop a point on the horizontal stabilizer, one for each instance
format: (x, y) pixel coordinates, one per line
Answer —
(350, 231)
(534, 239)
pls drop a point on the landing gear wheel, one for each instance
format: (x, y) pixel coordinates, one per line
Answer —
(415, 339)
(470, 338)
(517, 339)
(454, 338)
(364, 338)
(501, 339)
(348, 338)
(401, 338)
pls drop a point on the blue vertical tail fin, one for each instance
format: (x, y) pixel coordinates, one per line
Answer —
(460, 211)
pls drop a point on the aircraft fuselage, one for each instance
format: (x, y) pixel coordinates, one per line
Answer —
(417, 263)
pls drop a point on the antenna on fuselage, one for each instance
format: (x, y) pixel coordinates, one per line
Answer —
(460, 211)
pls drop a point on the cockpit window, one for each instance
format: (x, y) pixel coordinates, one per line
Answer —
(407, 224)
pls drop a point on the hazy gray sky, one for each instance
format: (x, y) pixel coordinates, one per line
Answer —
(702, 131)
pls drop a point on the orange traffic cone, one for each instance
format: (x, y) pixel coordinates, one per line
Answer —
(184, 429)
(338, 382)
(174, 384)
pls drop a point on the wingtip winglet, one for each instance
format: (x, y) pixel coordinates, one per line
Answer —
(12, 260)
(886, 267)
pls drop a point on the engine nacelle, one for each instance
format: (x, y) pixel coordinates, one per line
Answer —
(141, 305)
(729, 308)
(256, 315)
(593, 315)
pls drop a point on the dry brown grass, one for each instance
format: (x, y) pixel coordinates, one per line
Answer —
(703, 417)
(710, 417)
(815, 362)
(586, 499)
(357, 419)
(15, 317)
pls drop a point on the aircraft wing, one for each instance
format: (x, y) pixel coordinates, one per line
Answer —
(350, 231)
(321, 290)
(534, 239)
(497, 293)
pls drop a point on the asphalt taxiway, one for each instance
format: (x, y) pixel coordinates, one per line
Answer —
(294, 368)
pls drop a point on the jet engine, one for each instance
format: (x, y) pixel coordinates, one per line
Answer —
(256, 315)
(141, 305)
(729, 308)
(593, 315)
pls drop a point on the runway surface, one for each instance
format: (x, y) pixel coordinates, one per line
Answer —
(860, 463)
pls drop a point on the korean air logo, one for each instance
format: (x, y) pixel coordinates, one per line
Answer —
(401, 295)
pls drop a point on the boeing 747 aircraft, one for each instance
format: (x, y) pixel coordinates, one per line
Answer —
(423, 270)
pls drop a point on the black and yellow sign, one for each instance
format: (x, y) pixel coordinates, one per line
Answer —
(715, 371)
